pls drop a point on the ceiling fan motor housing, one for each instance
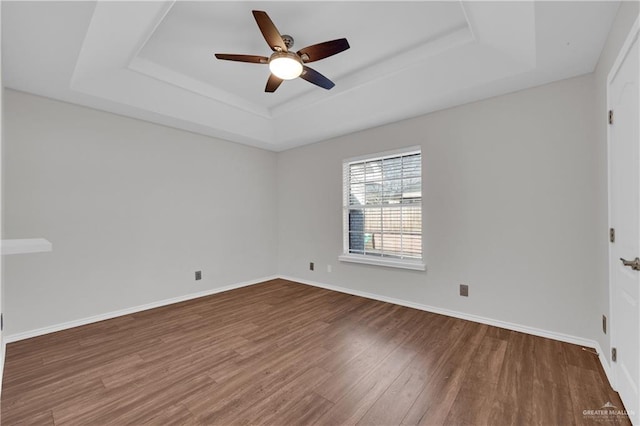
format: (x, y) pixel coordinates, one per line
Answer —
(288, 40)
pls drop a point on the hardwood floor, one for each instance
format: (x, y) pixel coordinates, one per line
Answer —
(283, 353)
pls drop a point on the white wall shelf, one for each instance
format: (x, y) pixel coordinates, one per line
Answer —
(27, 245)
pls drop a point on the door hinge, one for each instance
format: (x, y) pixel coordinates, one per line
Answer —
(1, 322)
(612, 235)
(614, 354)
(610, 116)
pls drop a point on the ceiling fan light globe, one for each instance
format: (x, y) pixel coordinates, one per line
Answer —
(285, 66)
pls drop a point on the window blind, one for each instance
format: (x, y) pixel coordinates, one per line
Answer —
(383, 206)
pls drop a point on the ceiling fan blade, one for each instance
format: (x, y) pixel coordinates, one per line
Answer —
(273, 83)
(313, 76)
(243, 58)
(269, 31)
(323, 50)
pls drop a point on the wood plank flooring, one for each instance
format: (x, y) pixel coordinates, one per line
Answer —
(282, 353)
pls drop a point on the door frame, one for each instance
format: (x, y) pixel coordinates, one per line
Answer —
(634, 33)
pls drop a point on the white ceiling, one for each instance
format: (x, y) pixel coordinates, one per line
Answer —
(154, 60)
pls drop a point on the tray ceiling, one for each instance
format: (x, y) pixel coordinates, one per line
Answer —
(154, 60)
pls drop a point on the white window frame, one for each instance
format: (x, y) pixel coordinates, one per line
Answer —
(413, 264)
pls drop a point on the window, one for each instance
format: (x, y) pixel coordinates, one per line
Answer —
(382, 209)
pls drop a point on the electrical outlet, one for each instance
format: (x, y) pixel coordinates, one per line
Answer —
(604, 324)
(328, 268)
(464, 290)
(198, 275)
(311, 266)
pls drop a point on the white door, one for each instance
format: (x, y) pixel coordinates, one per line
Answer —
(623, 92)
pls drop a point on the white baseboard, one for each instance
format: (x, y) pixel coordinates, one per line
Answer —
(456, 314)
(588, 343)
(3, 354)
(84, 321)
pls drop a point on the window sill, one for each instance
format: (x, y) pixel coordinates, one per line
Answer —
(416, 265)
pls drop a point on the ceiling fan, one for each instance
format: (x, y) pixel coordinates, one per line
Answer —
(285, 64)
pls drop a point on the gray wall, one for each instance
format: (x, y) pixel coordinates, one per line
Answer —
(508, 209)
(2, 344)
(132, 210)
